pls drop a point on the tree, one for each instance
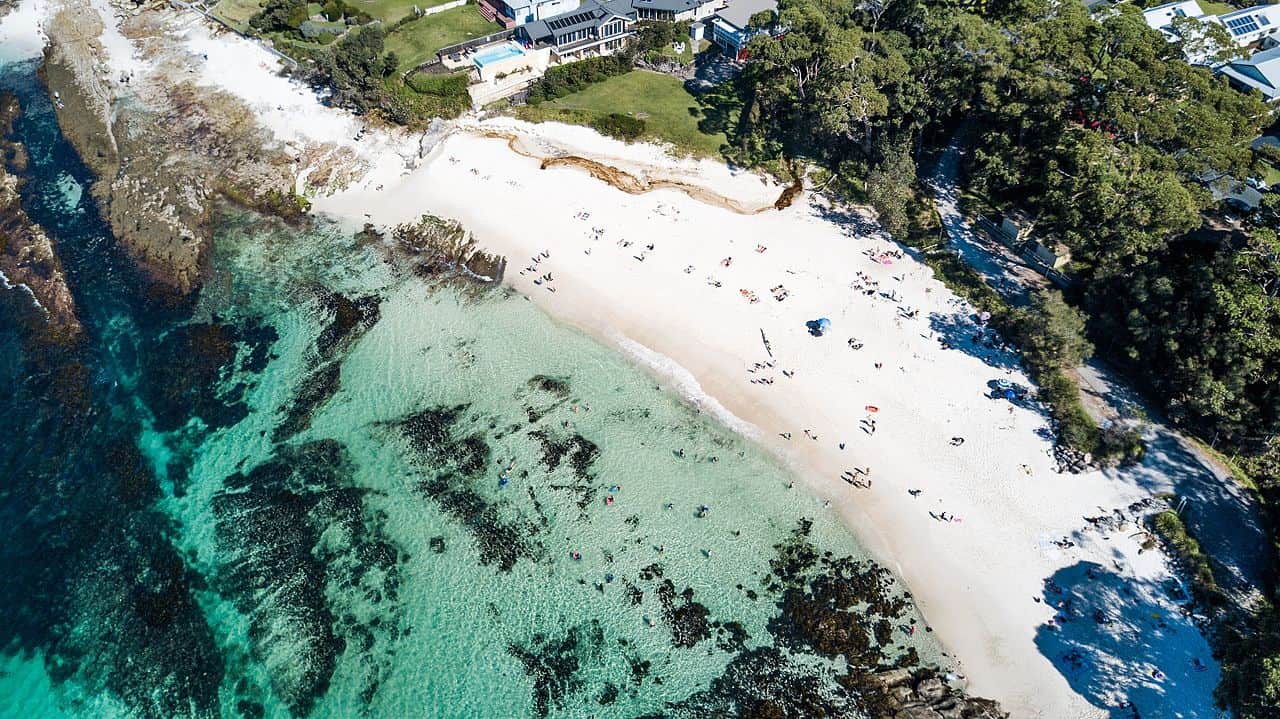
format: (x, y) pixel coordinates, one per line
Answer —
(354, 70)
(280, 16)
(1054, 332)
(889, 188)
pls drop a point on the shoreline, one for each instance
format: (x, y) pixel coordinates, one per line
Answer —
(974, 580)
(986, 619)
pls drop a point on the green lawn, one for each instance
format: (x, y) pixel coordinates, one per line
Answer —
(237, 12)
(690, 48)
(390, 11)
(417, 41)
(1216, 8)
(669, 112)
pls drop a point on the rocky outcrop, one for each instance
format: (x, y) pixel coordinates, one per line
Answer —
(28, 262)
(438, 248)
(924, 695)
(162, 150)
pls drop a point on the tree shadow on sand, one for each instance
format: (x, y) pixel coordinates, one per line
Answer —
(1125, 640)
(959, 331)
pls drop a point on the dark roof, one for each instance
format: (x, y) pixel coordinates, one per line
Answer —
(590, 14)
(672, 6)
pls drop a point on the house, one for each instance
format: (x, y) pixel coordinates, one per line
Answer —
(595, 28)
(1252, 25)
(731, 25)
(1015, 227)
(1054, 257)
(1260, 72)
(1161, 17)
(1248, 27)
(674, 10)
(510, 13)
(1233, 192)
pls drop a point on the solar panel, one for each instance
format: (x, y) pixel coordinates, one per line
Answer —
(1242, 25)
(561, 23)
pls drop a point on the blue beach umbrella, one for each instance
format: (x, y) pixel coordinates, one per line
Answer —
(818, 327)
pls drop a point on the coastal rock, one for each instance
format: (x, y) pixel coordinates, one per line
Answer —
(28, 261)
(443, 248)
(928, 698)
(163, 151)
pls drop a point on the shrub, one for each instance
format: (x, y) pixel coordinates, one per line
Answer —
(623, 127)
(567, 79)
(438, 95)
(280, 16)
(1170, 527)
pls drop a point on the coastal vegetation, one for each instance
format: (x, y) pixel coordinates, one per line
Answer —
(366, 52)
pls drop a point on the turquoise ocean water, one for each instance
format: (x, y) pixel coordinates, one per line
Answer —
(328, 487)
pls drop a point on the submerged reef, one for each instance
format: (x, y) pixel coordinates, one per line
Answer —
(299, 544)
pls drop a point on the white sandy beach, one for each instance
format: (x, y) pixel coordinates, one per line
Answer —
(976, 578)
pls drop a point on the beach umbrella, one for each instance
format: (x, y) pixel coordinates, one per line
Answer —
(817, 327)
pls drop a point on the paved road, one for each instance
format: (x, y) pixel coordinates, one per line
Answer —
(1224, 517)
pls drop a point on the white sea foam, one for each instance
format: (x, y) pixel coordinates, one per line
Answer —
(22, 34)
(687, 385)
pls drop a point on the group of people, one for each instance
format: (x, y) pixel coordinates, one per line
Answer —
(544, 279)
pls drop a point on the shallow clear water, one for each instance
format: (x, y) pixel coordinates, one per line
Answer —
(328, 487)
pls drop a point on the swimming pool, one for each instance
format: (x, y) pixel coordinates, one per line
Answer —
(491, 55)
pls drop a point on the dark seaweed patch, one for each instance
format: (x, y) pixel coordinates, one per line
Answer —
(314, 390)
(453, 467)
(558, 386)
(686, 618)
(765, 683)
(183, 370)
(552, 664)
(350, 318)
(276, 568)
(581, 452)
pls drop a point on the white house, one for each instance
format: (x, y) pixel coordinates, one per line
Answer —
(1260, 72)
(674, 10)
(1252, 25)
(1162, 16)
(1246, 27)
